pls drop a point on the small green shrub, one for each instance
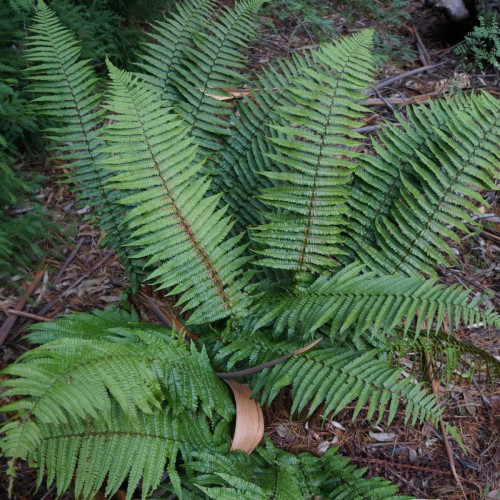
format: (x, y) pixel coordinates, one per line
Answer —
(272, 226)
(481, 48)
(21, 234)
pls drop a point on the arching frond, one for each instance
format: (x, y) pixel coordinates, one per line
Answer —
(118, 406)
(176, 227)
(209, 67)
(309, 202)
(273, 473)
(162, 55)
(336, 377)
(81, 372)
(355, 302)
(108, 451)
(66, 87)
(446, 155)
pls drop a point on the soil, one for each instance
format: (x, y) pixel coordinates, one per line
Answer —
(414, 458)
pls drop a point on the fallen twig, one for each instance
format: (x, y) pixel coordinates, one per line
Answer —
(25, 314)
(393, 79)
(68, 261)
(12, 318)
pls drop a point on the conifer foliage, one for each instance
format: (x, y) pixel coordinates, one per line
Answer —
(272, 228)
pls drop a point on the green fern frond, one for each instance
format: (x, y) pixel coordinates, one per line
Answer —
(162, 56)
(432, 168)
(80, 371)
(209, 67)
(66, 87)
(246, 153)
(81, 395)
(273, 473)
(111, 450)
(309, 201)
(336, 377)
(354, 302)
(177, 228)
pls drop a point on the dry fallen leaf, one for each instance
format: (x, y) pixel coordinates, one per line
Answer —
(249, 429)
(323, 447)
(383, 437)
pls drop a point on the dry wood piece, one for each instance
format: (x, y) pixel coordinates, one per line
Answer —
(249, 429)
(11, 318)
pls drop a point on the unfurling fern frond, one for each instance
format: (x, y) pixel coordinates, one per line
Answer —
(355, 302)
(67, 96)
(163, 54)
(176, 227)
(309, 202)
(209, 67)
(416, 192)
(273, 473)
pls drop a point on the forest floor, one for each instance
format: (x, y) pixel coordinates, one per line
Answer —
(77, 274)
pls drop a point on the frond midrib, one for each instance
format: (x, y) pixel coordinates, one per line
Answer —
(184, 224)
(308, 226)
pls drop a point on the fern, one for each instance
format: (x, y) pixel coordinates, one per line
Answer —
(273, 473)
(353, 301)
(270, 226)
(445, 156)
(171, 218)
(208, 67)
(304, 231)
(118, 387)
(162, 56)
(236, 169)
(67, 93)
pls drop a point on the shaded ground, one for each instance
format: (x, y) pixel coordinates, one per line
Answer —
(79, 275)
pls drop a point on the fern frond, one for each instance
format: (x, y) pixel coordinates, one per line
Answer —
(111, 450)
(67, 96)
(123, 398)
(209, 67)
(352, 301)
(451, 355)
(247, 151)
(333, 377)
(336, 377)
(273, 473)
(177, 228)
(163, 54)
(433, 167)
(80, 371)
(309, 202)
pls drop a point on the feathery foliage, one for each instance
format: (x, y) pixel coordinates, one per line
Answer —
(432, 167)
(195, 190)
(354, 302)
(273, 473)
(304, 229)
(116, 385)
(66, 86)
(171, 215)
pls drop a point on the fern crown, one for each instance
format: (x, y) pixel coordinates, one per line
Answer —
(272, 222)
